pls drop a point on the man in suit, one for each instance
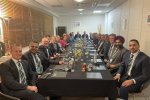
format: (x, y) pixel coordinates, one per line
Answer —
(18, 80)
(106, 39)
(59, 44)
(134, 70)
(85, 35)
(77, 35)
(37, 60)
(54, 46)
(100, 45)
(109, 47)
(116, 55)
(45, 49)
(48, 37)
(96, 39)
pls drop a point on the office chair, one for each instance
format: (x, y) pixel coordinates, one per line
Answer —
(142, 89)
(6, 97)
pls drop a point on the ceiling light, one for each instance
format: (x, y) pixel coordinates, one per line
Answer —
(79, 0)
(97, 11)
(80, 9)
(80, 13)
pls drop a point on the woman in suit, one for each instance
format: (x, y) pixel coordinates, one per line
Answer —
(64, 42)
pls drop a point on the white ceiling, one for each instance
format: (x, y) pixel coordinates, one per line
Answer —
(67, 7)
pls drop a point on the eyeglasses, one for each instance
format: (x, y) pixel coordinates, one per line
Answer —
(34, 46)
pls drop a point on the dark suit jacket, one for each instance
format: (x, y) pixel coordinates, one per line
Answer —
(140, 70)
(42, 49)
(96, 41)
(53, 49)
(76, 36)
(44, 60)
(10, 77)
(106, 50)
(86, 36)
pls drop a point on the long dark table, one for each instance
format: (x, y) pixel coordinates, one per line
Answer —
(76, 84)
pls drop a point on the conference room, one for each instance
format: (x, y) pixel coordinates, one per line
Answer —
(74, 49)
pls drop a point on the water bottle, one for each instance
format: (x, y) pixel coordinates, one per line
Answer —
(95, 58)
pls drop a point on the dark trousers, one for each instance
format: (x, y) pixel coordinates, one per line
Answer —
(28, 95)
(124, 91)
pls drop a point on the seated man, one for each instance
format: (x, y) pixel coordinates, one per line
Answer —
(85, 35)
(77, 36)
(59, 44)
(37, 60)
(103, 49)
(45, 49)
(116, 55)
(134, 70)
(18, 80)
(100, 44)
(54, 46)
(109, 47)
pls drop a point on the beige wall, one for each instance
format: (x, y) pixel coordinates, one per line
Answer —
(89, 23)
(135, 12)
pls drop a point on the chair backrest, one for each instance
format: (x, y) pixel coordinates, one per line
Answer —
(2, 49)
(6, 97)
(145, 85)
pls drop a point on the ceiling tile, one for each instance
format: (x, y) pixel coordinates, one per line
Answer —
(52, 2)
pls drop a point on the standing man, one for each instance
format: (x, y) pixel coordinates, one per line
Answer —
(134, 70)
(77, 35)
(116, 55)
(18, 80)
(37, 61)
(85, 35)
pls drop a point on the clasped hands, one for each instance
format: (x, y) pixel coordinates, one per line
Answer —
(125, 83)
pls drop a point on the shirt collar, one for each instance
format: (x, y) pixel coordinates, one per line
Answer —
(16, 61)
(134, 54)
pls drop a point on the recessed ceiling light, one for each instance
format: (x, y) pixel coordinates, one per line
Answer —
(97, 11)
(80, 13)
(80, 9)
(79, 0)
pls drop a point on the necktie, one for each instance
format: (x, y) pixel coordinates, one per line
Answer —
(109, 53)
(47, 52)
(21, 73)
(129, 65)
(39, 67)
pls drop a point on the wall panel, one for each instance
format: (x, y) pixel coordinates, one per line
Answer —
(26, 23)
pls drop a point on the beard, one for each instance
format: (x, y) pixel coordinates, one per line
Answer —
(119, 46)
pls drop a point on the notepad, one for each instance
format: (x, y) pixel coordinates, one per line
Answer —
(98, 60)
(60, 74)
(92, 50)
(96, 75)
(91, 54)
(60, 66)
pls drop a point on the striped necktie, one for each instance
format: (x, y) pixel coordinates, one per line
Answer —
(21, 73)
(39, 67)
(129, 65)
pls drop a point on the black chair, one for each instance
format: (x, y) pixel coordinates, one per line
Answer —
(2, 49)
(6, 97)
(142, 89)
